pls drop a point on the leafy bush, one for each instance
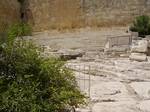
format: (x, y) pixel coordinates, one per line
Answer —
(19, 30)
(141, 25)
(30, 83)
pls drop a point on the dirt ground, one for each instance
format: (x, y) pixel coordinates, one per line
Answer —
(86, 39)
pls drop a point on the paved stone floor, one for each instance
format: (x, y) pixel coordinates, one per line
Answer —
(117, 84)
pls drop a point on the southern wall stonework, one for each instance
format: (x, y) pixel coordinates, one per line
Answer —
(60, 14)
(48, 14)
(9, 13)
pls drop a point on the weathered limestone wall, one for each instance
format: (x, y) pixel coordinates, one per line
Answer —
(60, 14)
(47, 14)
(115, 12)
(9, 13)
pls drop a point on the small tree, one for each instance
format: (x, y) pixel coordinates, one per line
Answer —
(30, 83)
(141, 25)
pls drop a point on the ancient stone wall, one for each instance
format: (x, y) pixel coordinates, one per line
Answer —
(9, 13)
(47, 14)
(115, 12)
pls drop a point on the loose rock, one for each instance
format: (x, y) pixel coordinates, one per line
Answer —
(68, 54)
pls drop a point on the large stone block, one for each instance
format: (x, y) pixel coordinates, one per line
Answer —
(141, 46)
(118, 43)
(138, 57)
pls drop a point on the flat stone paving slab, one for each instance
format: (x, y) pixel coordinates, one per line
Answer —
(144, 106)
(142, 89)
(127, 106)
(110, 92)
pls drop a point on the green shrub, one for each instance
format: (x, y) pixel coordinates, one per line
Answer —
(19, 30)
(30, 83)
(141, 25)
